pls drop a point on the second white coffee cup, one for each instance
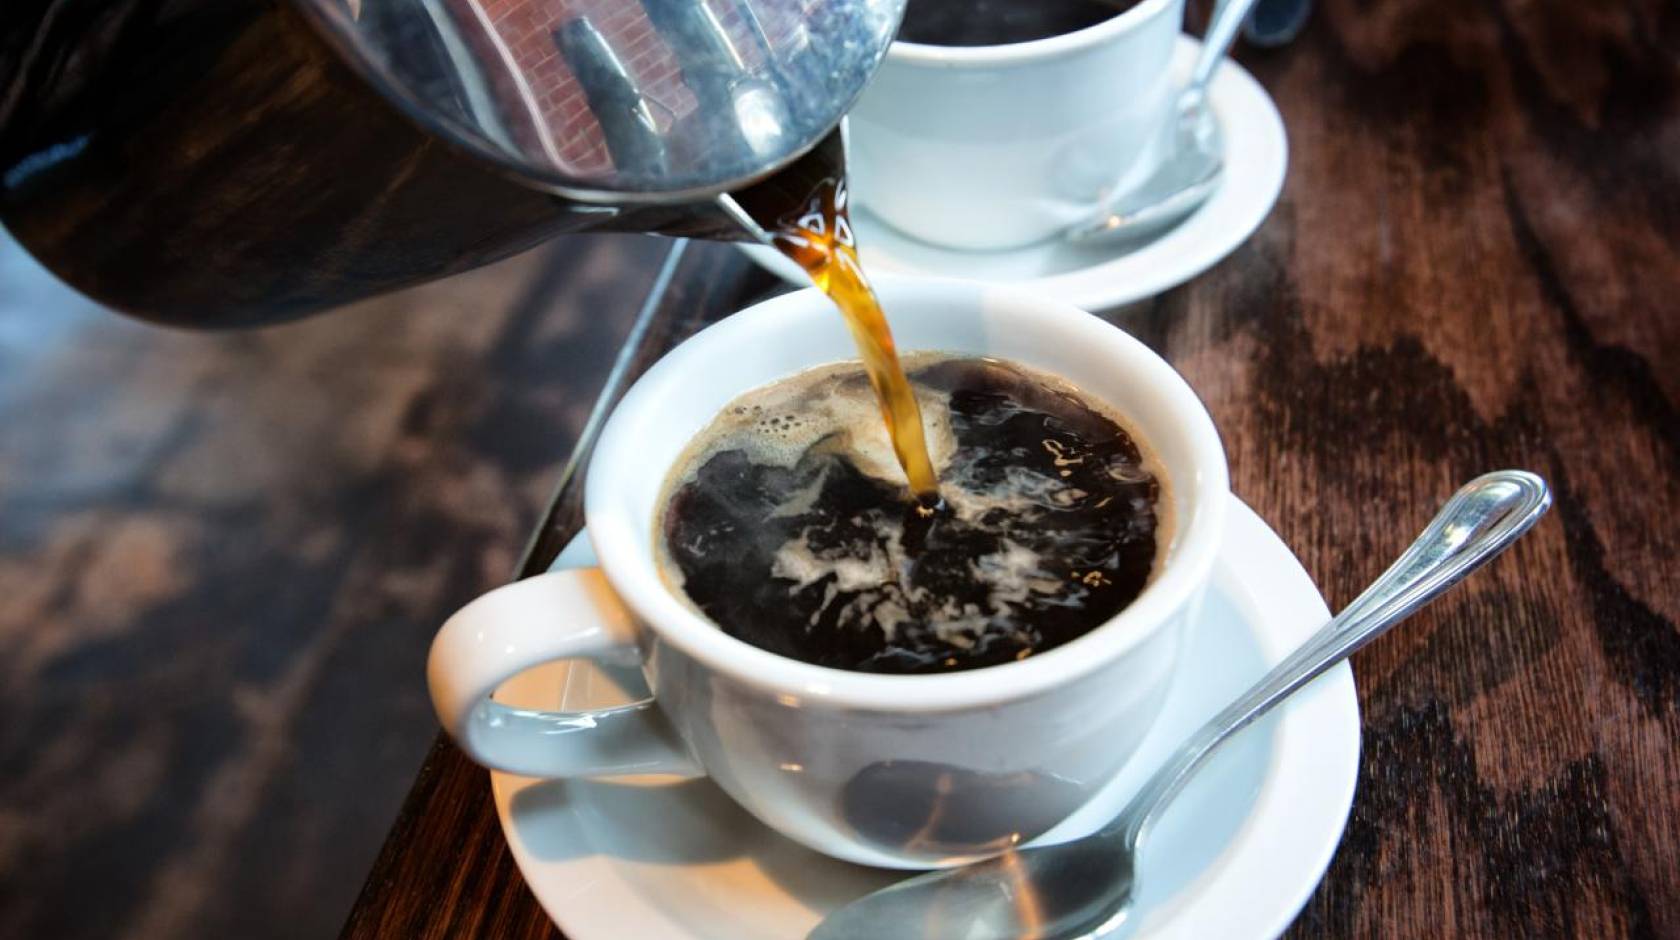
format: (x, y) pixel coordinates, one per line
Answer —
(993, 147)
(852, 764)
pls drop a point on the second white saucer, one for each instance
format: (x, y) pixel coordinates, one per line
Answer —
(1096, 278)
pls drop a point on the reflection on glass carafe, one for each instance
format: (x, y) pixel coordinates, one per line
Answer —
(218, 163)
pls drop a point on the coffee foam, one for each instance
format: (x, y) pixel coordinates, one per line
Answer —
(776, 424)
(1010, 575)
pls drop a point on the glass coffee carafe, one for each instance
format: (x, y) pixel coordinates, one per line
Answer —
(216, 163)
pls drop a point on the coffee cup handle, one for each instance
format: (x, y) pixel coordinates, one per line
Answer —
(571, 614)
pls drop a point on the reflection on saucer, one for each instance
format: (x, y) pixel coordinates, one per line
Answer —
(940, 812)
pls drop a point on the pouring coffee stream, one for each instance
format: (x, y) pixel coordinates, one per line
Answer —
(818, 236)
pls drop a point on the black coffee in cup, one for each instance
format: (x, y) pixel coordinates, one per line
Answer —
(788, 523)
(1001, 22)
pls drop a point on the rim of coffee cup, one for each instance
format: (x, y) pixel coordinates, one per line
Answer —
(624, 542)
(1034, 50)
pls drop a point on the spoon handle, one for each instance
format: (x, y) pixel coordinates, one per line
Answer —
(1222, 30)
(1480, 521)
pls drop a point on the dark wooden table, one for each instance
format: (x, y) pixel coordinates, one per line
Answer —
(1475, 264)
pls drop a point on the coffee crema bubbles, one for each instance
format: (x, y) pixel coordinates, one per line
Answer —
(787, 522)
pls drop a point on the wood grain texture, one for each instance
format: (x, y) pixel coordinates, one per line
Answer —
(1475, 264)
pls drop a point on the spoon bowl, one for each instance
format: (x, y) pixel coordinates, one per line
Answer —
(1190, 172)
(1015, 896)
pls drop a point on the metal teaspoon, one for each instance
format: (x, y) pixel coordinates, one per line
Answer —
(1084, 889)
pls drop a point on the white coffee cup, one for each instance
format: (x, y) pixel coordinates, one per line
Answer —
(848, 763)
(993, 147)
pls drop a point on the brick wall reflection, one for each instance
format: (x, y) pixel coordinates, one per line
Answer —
(543, 103)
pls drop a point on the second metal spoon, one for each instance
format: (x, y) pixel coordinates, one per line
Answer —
(1084, 888)
(1194, 161)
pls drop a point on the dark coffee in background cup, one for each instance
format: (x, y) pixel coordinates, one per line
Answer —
(1001, 22)
(788, 523)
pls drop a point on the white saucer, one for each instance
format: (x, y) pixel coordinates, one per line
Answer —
(1257, 152)
(1235, 857)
